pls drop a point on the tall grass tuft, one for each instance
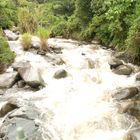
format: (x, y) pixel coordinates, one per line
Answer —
(26, 41)
(43, 34)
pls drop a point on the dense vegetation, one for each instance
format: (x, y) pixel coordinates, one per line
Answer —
(115, 23)
(6, 56)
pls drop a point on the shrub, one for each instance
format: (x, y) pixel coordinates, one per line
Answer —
(59, 30)
(26, 41)
(43, 34)
(27, 22)
(6, 55)
(133, 40)
(8, 14)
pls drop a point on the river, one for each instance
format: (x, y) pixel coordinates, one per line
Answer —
(79, 106)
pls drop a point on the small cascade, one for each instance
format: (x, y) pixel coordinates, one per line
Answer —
(94, 96)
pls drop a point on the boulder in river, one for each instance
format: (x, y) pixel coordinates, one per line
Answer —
(6, 107)
(126, 93)
(24, 118)
(2, 91)
(31, 76)
(10, 35)
(60, 74)
(7, 80)
(114, 63)
(15, 29)
(21, 84)
(20, 64)
(126, 106)
(138, 77)
(123, 70)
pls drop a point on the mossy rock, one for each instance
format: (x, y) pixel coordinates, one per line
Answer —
(6, 55)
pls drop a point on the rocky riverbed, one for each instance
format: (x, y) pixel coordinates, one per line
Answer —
(76, 91)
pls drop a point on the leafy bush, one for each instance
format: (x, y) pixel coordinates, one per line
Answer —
(26, 41)
(8, 13)
(133, 40)
(59, 30)
(43, 34)
(6, 55)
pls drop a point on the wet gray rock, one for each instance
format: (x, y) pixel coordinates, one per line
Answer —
(41, 52)
(129, 136)
(2, 91)
(31, 76)
(21, 84)
(54, 59)
(126, 93)
(15, 29)
(95, 42)
(10, 35)
(35, 42)
(114, 63)
(24, 118)
(138, 77)
(59, 61)
(17, 65)
(126, 106)
(136, 113)
(55, 50)
(60, 74)
(7, 80)
(123, 70)
(6, 107)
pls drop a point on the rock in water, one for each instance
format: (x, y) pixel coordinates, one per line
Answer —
(114, 63)
(126, 106)
(123, 70)
(20, 64)
(24, 118)
(138, 77)
(60, 74)
(2, 91)
(10, 35)
(126, 93)
(31, 76)
(7, 107)
(21, 84)
(8, 79)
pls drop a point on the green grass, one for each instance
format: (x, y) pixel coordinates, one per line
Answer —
(26, 41)
(43, 34)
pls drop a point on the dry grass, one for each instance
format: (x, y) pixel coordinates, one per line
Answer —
(43, 34)
(26, 41)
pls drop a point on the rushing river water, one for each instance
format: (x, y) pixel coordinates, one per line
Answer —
(80, 106)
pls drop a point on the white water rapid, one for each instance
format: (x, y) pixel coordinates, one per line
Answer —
(80, 106)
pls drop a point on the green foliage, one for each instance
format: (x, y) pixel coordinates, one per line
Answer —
(59, 30)
(43, 34)
(133, 39)
(112, 22)
(27, 21)
(65, 8)
(6, 55)
(26, 41)
(8, 13)
(83, 11)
